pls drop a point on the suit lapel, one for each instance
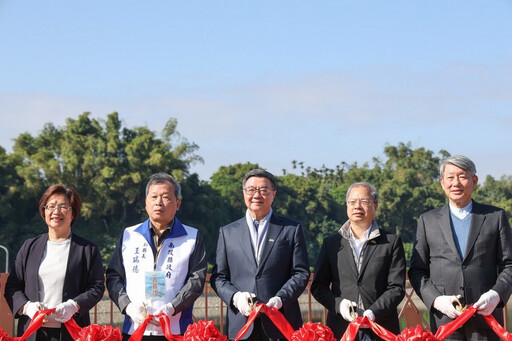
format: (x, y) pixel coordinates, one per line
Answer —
(346, 257)
(244, 238)
(35, 260)
(477, 221)
(445, 225)
(274, 229)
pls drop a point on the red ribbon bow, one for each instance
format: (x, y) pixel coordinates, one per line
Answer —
(313, 332)
(203, 331)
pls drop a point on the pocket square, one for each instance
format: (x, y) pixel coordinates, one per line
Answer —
(271, 240)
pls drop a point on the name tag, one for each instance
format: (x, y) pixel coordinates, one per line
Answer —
(155, 285)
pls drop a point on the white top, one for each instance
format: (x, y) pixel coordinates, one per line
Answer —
(463, 212)
(357, 244)
(51, 275)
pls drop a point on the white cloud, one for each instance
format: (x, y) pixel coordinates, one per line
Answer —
(323, 118)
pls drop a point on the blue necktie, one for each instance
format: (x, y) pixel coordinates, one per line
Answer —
(258, 238)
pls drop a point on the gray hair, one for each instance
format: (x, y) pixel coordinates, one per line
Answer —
(260, 173)
(460, 161)
(373, 190)
(162, 177)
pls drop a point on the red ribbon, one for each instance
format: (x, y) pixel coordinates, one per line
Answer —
(418, 333)
(97, 332)
(497, 328)
(35, 324)
(73, 329)
(354, 326)
(274, 315)
(447, 329)
(165, 323)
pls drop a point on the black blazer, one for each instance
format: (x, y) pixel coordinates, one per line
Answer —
(83, 282)
(437, 268)
(380, 281)
(283, 270)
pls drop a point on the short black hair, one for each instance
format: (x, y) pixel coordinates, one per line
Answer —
(260, 173)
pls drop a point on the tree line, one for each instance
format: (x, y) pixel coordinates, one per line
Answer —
(109, 165)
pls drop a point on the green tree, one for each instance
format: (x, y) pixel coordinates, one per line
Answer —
(107, 164)
(408, 187)
(203, 208)
(227, 181)
(497, 193)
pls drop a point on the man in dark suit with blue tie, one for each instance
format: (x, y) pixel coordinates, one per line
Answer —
(463, 251)
(261, 257)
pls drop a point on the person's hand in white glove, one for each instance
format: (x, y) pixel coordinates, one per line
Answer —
(31, 308)
(444, 304)
(487, 302)
(241, 302)
(368, 313)
(167, 309)
(275, 302)
(65, 310)
(135, 311)
(345, 309)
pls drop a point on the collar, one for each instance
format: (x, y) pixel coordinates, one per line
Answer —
(463, 212)
(370, 233)
(152, 228)
(177, 230)
(250, 220)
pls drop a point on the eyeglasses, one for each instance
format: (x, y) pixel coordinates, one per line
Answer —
(262, 190)
(60, 208)
(364, 202)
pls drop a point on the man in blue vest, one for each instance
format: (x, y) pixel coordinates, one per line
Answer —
(158, 266)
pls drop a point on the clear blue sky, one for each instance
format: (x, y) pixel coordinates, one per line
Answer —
(269, 81)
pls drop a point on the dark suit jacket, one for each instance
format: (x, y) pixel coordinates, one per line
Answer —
(380, 281)
(283, 270)
(437, 268)
(84, 280)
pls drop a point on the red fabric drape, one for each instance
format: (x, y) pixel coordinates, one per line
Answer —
(165, 323)
(205, 330)
(354, 326)
(273, 314)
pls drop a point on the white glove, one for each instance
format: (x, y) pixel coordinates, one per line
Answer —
(167, 309)
(31, 308)
(368, 313)
(275, 302)
(65, 310)
(135, 312)
(487, 302)
(445, 305)
(345, 309)
(241, 302)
